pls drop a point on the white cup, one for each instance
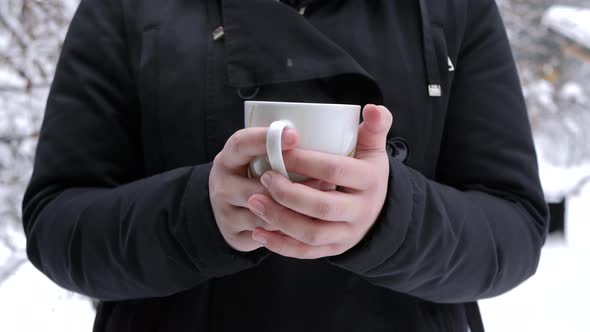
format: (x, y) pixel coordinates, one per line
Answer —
(329, 128)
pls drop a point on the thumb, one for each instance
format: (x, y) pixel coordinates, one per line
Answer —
(377, 121)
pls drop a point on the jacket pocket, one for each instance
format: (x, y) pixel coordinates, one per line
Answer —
(149, 98)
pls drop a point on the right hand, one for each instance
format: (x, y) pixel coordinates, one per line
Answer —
(230, 188)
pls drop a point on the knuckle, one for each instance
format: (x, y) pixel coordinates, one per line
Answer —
(233, 225)
(370, 173)
(333, 171)
(312, 237)
(371, 180)
(324, 210)
(236, 142)
(220, 194)
(248, 222)
(214, 192)
(224, 213)
(232, 237)
(270, 227)
(276, 219)
(279, 193)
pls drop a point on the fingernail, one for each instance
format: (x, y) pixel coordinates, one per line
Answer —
(326, 186)
(289, 137)
(257, 207)
(266, 180)
(256, 237)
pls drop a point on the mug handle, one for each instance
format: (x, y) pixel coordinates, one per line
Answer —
(274, 148)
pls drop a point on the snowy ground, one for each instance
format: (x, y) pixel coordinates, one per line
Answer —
(557, 298)
(29, 302)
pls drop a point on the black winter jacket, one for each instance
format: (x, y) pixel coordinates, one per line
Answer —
(144, 97)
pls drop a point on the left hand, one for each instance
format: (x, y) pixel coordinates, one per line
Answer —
(313, 223)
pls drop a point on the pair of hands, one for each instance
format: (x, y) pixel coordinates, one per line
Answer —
(322, 217)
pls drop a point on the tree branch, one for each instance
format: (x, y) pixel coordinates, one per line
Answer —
(11, 267)
(6, 241)
(23, 89)
(577, 189)
(22, 43)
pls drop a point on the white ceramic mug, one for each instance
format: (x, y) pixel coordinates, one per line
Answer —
(329, 128)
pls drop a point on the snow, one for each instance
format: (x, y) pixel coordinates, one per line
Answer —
(559, 182)
(573, 92)
(556, 298)
(14, 122)
(572, 22)
(5, 254)
(6, 156)
(9, 77)
(577, 231)
(17, 239)
(543, 92)
(31, 302)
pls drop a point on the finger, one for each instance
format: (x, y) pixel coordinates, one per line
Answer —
(236, 190)
(372, 136)
(243, 242)
(246, 144)
(242, 219)
(300, 227)
(289, 247)
(319, 185)
(339, 170)
(329, 206)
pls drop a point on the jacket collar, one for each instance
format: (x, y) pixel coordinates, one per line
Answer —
(261, 51)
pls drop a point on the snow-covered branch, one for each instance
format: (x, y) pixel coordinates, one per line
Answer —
(11, 266)
(31, 34)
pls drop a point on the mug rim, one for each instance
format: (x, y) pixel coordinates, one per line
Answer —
(299, 103)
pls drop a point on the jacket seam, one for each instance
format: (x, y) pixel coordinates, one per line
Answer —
(125, 35)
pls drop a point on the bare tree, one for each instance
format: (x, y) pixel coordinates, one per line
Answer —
(31, 36)
(32, 33)
(554, 72)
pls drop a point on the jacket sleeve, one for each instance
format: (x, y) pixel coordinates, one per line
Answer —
(94, 223)
(478, 230)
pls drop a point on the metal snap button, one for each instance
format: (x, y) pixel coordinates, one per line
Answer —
(248, 93)
(397, 147)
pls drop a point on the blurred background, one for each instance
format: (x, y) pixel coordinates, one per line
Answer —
(551, 44)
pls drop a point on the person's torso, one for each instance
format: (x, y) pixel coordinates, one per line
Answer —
(191, 89)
